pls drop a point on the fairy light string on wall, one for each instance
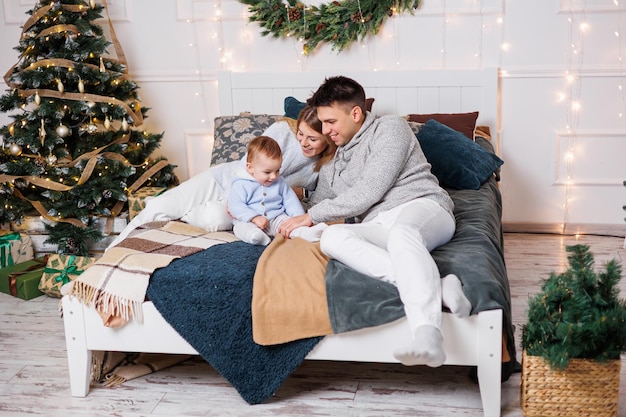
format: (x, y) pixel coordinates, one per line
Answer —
(620, 59)
(573, 82)
(481, 29)
(444, 33)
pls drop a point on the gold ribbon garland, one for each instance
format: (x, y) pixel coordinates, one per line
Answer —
(136, 116)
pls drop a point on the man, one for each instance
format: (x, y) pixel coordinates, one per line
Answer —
(381, 177)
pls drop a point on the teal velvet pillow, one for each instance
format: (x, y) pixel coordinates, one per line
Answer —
(293, 107)
(456, 161)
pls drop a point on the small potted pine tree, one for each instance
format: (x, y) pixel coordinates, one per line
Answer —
(575, 333)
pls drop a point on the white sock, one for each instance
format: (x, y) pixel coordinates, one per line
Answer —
(312, 234)
(425, 349)
(249, 233)
(453, 296)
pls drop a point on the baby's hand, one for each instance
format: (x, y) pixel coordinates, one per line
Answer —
(261, 222)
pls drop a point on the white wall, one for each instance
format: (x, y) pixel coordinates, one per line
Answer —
(175, 48)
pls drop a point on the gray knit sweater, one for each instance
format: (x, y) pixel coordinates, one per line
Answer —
(382, 167)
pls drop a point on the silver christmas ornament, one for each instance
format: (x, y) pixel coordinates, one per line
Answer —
(62, 130)
(15, 149)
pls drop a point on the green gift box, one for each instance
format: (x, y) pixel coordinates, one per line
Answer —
(15, 248)
(22, 280)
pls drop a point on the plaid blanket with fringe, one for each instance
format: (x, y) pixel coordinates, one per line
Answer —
(116, 283)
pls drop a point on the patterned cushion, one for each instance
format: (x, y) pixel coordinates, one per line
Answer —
(232, 134)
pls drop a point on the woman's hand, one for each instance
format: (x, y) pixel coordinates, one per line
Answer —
(299, 192)
(288, 225)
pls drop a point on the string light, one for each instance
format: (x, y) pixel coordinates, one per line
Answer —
(620, 62)
(481, 29)
(573, 85)
(444, 34)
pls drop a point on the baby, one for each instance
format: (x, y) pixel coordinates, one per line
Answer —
(260, 199)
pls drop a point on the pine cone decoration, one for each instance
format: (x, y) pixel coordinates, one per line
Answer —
(294, 14)
(356, 17)
(320, 27)
(71, 245)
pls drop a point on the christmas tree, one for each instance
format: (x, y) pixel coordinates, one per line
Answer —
(577, 314)
(75, 148)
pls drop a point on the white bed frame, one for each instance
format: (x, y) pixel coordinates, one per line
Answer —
(474, 341)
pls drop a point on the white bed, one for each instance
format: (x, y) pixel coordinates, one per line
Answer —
(475, 341)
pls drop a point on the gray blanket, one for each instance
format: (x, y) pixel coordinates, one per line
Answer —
(475, 254)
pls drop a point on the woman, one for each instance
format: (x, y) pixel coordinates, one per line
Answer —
(201, 200)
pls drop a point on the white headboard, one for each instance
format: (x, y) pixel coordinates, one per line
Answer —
(401, 92)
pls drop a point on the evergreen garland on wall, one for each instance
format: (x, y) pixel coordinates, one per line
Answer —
(339, 22)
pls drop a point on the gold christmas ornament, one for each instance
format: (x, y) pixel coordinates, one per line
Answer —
(81, 86)
(92, 3)
(12, 129)
(37, 98)
(102, 67)
(42, 132)
(51, 159)
(15, 149)
(107, 123)
(124, 125)
(60, 86)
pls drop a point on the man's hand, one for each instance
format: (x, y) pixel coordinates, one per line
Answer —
(261, 222)
(288, 225)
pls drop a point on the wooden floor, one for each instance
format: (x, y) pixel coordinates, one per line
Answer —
(34, 377)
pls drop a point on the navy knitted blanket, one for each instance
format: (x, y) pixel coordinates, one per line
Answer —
(207, 298)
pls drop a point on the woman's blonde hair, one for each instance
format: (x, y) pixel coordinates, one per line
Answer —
(308, 115)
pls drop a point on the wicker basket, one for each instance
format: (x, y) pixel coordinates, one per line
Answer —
(585, 388)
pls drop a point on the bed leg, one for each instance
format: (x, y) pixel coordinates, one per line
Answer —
(78, 356)
(490, 361)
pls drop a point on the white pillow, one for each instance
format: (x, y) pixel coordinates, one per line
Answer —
(211, 216)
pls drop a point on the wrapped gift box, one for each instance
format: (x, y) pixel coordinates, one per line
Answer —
(15, 248)
(137, 200)
(22, 280)
(61, 269)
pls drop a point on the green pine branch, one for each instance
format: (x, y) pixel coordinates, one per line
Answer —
(578, 313)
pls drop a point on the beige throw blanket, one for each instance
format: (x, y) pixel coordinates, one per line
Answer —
(116, 283)
(289, 293)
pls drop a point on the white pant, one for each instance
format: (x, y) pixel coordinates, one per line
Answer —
(242, 228)
(249, 232)
(198, 201)
(395, 247)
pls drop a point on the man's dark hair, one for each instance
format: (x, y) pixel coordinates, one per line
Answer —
(341, 90)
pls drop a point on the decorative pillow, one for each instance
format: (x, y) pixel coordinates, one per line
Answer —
(456, 161)
(462, 122)
(232, 134)
(293, 106)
